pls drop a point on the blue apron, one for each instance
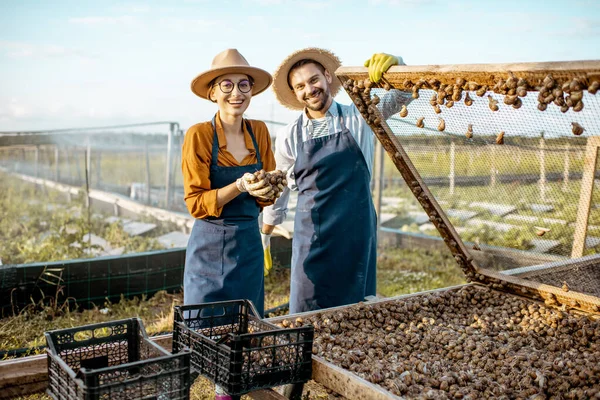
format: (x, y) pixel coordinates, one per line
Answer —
(335, 242)
(224, 259)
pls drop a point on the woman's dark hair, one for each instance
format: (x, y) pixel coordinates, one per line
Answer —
(302, 63)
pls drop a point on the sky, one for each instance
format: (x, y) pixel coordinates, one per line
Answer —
(66, 64)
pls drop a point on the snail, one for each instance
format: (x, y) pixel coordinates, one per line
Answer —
(403, 111)
(468, 100)
(593, 88)
(415, 92)
(441, 125)
(420, 123)
(518, 103)
(449, 103)
(575, 85)
(375, 100)
(493, 103)
(469, 133)
(577, 129)
(522, 91)
(510, 100)
(433, 100)
(549, 81)
(500, 138)
(540, 231)
(482, 91)
(512, 81)
(564, 108)
(578, 107)
(437, 109)
(565, 286)
(542, 106)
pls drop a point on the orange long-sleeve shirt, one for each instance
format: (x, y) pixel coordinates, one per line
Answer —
(196, 157)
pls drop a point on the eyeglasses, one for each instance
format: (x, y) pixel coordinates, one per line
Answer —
(227, 86)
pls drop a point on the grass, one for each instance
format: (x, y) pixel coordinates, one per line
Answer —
(400, 271)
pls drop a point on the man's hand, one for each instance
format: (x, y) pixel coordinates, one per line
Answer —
(380, 63)
(257, 188)
(266, 243)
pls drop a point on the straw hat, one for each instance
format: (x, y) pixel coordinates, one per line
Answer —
(230, 61)
(285, 95)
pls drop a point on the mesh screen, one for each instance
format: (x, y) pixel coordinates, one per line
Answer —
(516, 183)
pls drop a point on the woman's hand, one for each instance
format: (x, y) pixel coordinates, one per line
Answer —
(259, 188)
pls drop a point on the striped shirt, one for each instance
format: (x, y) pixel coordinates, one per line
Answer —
(319, 127)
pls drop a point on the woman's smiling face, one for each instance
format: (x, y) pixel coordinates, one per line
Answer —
(228, 92)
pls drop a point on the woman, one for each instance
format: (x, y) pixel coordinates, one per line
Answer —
(224, 258)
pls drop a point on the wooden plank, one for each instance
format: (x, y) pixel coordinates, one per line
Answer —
(483, 74)
(347, 383)
(585, 196)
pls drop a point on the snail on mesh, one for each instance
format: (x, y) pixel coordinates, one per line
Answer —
(541, 231)
(415, 92)
(375, 100)
(403, 111)
(469, 133)
(522, 91)
(518, 103)
(420, 123)
(437, 109)
(449, 103)
(500, 138)
(593, 88)
(578, 107)
(493, 103)
(482, 91)
(433, 100)
(542, 106)
(577, 129)
(468, 100)
(441, 125)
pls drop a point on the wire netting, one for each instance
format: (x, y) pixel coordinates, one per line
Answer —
(515, 182)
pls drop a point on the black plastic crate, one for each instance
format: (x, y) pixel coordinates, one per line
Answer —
(235, 349)
(114, 360)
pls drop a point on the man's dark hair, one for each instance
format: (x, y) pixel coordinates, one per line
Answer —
(302, 63)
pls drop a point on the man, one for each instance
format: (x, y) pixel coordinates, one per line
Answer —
(328, 153)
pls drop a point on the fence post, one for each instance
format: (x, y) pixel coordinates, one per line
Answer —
(452, 163)
(542, 168)
(566, 170)
(147, 173)
(56, 163)
(493, 167)
(168, 165)
(37, 160)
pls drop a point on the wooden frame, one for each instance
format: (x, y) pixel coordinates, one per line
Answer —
(403, 77)
(585, 197)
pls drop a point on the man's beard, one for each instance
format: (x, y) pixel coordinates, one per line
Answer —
(320, 105)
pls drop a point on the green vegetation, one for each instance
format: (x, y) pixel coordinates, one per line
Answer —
(38, 225)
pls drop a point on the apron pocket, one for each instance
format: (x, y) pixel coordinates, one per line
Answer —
(209, 252)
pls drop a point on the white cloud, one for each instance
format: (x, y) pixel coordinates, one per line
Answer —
(119, 20)
(30, 50)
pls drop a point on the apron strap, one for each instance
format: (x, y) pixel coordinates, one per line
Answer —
(215, 145)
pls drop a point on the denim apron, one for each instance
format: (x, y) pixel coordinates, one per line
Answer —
(335, 241)
(224, 258)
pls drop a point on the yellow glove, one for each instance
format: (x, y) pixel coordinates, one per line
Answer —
(266, 242)
(380, 63)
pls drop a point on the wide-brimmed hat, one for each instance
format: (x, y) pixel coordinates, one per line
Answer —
(230, 61)
(285, 95)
